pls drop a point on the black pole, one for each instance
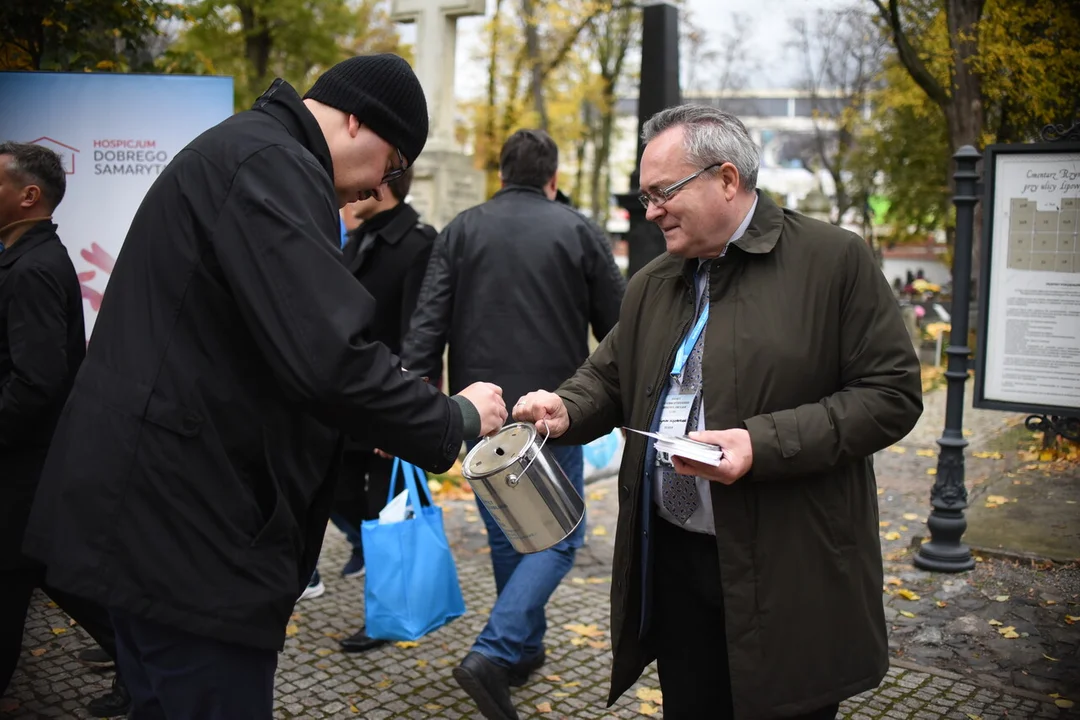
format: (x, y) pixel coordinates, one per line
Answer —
(945, 552)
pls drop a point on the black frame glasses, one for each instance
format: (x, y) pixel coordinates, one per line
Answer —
(664, 194)
(397, 172)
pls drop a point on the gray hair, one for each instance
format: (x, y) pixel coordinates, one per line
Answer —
(711, 137)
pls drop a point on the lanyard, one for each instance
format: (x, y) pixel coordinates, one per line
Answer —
(689, 342)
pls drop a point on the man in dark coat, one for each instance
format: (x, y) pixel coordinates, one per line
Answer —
(755, 584)
(42, 343)
(189, 481)
(513, 285)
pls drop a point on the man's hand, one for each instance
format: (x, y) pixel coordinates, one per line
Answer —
(488, 401)
(737, 460)
(543, 408)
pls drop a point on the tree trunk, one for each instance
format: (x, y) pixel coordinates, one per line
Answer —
(257, 46)
(536, 63)
(964, 111)
(490, 145)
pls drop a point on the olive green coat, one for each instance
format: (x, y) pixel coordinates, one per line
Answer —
(806, 349)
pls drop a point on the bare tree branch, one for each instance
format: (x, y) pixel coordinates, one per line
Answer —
(910, 59)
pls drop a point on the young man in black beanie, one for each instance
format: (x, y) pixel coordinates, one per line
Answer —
(189, 480)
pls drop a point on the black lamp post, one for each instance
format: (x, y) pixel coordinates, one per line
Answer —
(944, 552)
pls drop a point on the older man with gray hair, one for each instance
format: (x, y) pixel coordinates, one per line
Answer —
(775, 337)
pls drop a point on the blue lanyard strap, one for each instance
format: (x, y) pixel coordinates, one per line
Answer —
(689, 342)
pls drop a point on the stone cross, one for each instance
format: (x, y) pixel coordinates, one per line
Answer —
(436, 41)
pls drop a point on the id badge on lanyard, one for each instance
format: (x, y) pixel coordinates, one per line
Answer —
(676, 411)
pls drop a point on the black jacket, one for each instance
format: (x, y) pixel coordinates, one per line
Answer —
(189, 480)
(513, 285)
(42, 342)
(388, 254)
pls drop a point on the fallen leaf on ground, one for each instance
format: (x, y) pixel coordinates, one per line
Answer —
(560, 694)
(941, 604)
(571, 684)
(598, 494)
(433, 706)
(647, 709)
(897, 449)
(1051, 602)
(597, 644)
(996, 622)
(599, 531)
(38, 652)
(406, 644)
(421, 663)
(353, 709)
(578, 581)
(1001, 598)
(911, 516)
(973, 716)
(59, 631)
(903, 528)
(892, 580)
(323, 651)
(907, 614)
(881, 491)
(383, 684)
(967, 433)
(999, 499)
(931, 471)
(907, 594)
(925, 453)
(884, 523)
(1050, 658)
(291, 630)
(1008, 632)
(585, 630)
(892, 535)
(1070, 619)
(988, 455)
(553, 678)
(1055, 695)
(544, 707)
(1063, 703)
(650, 695)
(597, 581)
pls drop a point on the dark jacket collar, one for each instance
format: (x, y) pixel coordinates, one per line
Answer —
(38, 233)
(395, 223)
(283, 103)
(509, 189)
(760, 238)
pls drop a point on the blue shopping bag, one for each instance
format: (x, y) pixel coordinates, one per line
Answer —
(412, 584)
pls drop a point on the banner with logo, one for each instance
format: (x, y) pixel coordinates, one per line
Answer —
(115, 133)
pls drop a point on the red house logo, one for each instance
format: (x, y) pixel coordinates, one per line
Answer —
(66, 152)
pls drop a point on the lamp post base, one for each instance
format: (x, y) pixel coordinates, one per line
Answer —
(944, 558)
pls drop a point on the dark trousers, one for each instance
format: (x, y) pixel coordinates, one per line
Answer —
(179, 676)
(687, 629)
(360, 493)
(16, 588)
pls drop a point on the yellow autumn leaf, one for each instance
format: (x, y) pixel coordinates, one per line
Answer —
(59, 631)
(544, 707)
(988, 455)
(1051, 602)
(571, 684)
(560, 694)
(903, 528)
(1070, 619)
(406, 644)
(911, 516)
(999, 499)
(925, 453)
(291, 630)
(323, 651)
(1050, 658)
(897, 449)
(577, 641)
(38, 652)
(973, 716)
(996, 622)
(578, 581)
(434, 707)
(931, 471)
(1046, 456)
(647, 709)
(967, 433)
(585, 630)
(1063, 703)
(1055, 695)
(553, 678)
(421, 663)
(596, 644)
(892, 580)
(941, 604)
(907, 614)
(907, 594)
(650, 695)
(884, 523)
(598, 494)
(881, 491)
(892, 535)
(353, 709)
(1011, 635)
(597, 581)
(599, 531)
(383, 684)
(1001, 598)
(434, 486)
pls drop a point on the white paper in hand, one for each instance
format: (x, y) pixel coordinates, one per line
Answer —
(684, 447)
(396, 510)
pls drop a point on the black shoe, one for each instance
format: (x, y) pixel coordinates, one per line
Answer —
(519, 674)
(95, 657)
(487, 684)
(360, 642)
(114, 703)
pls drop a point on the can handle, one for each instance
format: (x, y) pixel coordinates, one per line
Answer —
(512, 480)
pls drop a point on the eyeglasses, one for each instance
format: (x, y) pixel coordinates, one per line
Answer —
(395, 173)
(661, 196)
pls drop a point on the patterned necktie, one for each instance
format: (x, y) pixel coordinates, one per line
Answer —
(679, 493)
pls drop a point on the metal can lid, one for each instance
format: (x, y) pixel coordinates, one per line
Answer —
(499, 451)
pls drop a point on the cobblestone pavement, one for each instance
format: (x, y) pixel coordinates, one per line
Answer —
(949, 661)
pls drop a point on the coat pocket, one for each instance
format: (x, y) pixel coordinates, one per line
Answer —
(173, 417)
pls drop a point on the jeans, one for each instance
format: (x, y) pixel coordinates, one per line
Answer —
(515, 630)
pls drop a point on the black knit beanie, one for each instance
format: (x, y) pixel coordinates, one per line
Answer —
(383, 93)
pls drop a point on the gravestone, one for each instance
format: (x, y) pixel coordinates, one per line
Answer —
(445, 181)
(658, 89)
